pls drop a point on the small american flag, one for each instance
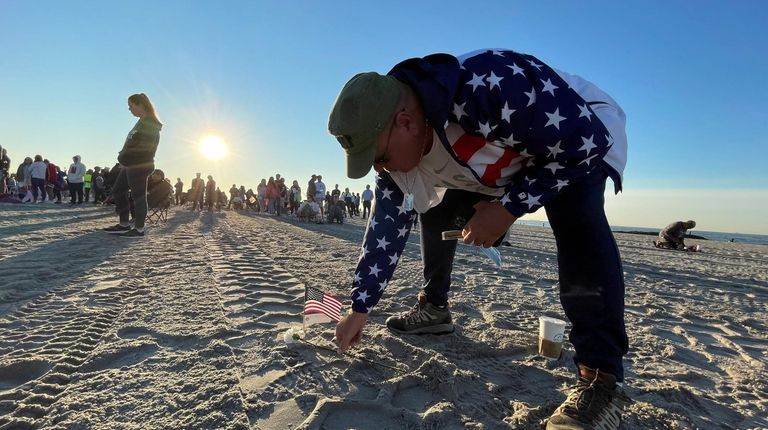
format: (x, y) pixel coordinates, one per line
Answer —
(320, 307)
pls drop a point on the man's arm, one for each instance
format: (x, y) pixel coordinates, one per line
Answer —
(383, 244)
(386, 234)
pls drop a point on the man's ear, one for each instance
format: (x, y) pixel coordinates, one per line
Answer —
(406, 120)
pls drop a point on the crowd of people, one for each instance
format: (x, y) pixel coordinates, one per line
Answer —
(38, 180)
(273, 196)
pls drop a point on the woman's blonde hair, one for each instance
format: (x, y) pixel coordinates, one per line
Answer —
(143, 102)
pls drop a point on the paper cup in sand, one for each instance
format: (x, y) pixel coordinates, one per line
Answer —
(551, 332)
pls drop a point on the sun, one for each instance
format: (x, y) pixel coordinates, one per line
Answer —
(213, 148)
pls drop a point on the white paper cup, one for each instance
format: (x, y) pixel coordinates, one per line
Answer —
(551, 332)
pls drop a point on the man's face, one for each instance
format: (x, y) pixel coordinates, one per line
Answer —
(399, 149)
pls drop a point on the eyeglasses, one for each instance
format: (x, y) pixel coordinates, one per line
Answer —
(384, 158)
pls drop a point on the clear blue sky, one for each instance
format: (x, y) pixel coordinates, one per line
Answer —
(263, 74)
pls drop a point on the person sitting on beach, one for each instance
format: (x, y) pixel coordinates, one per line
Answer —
(499, 134)
(13, 187)
(159, 191)
(673, 235)
(308, 210)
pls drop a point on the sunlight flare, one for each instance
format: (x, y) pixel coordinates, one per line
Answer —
(213, 148)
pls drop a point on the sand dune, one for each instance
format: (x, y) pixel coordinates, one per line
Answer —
(182, 329)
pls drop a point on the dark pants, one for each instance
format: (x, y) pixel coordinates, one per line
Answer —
(133, 179)
(366, 208)
(75, 190)
(436, 253)
(350, 208)
(38, 185)
(87, 194)
(589, 267)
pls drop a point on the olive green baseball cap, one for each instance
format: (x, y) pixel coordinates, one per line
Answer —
(361, 112)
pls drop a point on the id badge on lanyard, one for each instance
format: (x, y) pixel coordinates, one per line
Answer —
(408, 202)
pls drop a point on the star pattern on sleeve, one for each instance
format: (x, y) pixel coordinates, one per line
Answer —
(382, 243)
(588, 145)
(554, 118)
(554, 150)
(458, 110)
(516, 101)
(506, 112)
(476, 81)
(374, 270)
(584, 112)
(494, 80)
(385, 237)
(549, 87)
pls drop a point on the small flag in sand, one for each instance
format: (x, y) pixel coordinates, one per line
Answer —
(320, 307)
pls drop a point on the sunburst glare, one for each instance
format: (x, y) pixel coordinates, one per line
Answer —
(213, 148)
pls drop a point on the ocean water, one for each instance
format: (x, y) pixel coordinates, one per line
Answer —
(753, 239)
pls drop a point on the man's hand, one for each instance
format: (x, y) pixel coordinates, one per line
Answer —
(490, 221)
(350, 329)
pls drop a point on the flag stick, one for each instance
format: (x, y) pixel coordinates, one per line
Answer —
(358, 356)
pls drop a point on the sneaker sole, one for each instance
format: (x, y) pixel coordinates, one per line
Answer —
(434, 329)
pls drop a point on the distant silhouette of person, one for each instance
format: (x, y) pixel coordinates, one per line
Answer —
(211, 196)
(198, 188)
(179, 189)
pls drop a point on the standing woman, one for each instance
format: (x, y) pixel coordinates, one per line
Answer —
(137, 161)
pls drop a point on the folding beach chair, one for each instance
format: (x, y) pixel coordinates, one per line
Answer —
(159, 198)
(158, 215)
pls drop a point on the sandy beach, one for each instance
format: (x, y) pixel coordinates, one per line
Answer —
(182, 329)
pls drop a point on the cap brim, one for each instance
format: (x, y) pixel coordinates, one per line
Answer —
(360, 163)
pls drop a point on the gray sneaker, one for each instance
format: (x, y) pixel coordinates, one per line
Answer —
(595, 402)
(423, 318)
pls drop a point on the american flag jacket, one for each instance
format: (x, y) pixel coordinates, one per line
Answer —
(526, 131)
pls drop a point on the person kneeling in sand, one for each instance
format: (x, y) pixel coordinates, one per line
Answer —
(496, 134)
(308, 211)
(673, 236)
